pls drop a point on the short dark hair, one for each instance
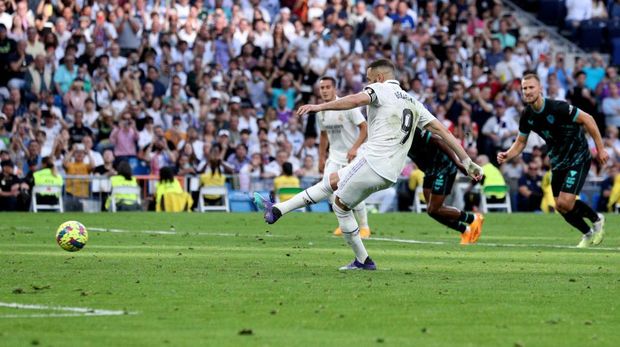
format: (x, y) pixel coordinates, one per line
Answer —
(381, 63)
(531, 75)
(287, 169)
(328, 78)
(124, 169)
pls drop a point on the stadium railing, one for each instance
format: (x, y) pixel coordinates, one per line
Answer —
(88, 193)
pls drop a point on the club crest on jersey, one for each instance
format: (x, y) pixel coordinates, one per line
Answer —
(550, 119)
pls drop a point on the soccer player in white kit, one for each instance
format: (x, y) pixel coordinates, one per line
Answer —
(344, 132)
(392, 116)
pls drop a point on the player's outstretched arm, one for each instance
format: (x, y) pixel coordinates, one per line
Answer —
(588, 122)
(516, 149)
(473, 170)
(346, 103)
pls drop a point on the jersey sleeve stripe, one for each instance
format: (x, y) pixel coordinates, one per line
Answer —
(576, 114)
(524, 134)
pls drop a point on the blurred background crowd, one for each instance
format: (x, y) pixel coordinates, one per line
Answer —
(209, 87)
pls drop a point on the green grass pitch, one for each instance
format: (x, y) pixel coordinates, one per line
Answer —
(231, 280)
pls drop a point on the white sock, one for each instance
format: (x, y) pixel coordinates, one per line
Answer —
(351, 232)
(361, 215)
(312, 195)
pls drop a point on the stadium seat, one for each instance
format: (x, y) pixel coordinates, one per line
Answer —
(240, 201)
(615, 51)
(552, 12)
(485, 205)
(418, 205)
(202, 207)
(47, 190)
(591, 35)
(613, 29)
(139, 167)
(123, 191)
(321, 206)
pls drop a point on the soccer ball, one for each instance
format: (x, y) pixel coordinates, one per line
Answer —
(71, 236)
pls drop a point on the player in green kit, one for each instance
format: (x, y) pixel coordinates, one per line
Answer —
(440, 164)
(561, 126)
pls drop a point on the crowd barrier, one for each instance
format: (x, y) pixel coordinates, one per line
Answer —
(88, 193)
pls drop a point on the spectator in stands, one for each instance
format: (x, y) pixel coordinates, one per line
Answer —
(47, 176)
(538, 46)
(612, 143)
(530, 190)
(611, 106)
(499, 130)
(38, 77)
(285, 180)
(595, 72)
(563, 74)
(124, 178)
(78, 131)
(9, 186)
(580, 96)
(614, 195)
(87, 141)
(611, 77)
(238, 159)
(65, 74)
(169, 184)
(124, 138)
(605, 190)
(576, 12)
(213, 176)
(75, 164)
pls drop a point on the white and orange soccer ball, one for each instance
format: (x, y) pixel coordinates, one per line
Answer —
(71, 236)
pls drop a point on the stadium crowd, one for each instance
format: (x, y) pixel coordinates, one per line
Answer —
(208, 87)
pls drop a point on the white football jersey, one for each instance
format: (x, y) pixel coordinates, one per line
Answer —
(392, 116)
(342, 131)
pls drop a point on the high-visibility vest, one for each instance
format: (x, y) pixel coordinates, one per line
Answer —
(46, 177)
(493, 177)
(120, 181)
(163, 188)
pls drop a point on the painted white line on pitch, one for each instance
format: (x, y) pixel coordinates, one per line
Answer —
(76, 311)
(488, 244)
(170, 232)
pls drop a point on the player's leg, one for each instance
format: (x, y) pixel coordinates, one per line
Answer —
(436, 189)
(357, 182)
(361, 215)
(331, 167)
(566, 185)
(318, 192)
(359, 211)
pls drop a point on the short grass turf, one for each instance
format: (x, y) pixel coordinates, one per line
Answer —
(231, 280)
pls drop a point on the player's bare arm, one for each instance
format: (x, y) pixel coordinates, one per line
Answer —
(360, 140)
(514, 150)
(473, 170)
(443, 146)
(346, 103)
(590, 125)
